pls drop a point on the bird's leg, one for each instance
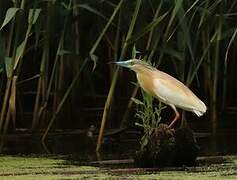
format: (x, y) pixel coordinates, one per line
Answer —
(177, 115)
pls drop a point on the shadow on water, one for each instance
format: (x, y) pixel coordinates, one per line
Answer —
(72, 142)
(121, 146)
(76, 149)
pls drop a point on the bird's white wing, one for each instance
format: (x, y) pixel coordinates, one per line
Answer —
(172, 91)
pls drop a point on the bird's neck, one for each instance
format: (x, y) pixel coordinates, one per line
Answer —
(145, 80)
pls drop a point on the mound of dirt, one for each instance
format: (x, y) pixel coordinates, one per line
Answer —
(168, 147)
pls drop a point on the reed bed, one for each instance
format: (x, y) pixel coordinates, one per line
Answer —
(57, 50)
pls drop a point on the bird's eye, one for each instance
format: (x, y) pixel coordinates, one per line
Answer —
(132, 63)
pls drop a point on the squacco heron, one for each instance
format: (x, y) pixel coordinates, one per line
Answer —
(165, 88)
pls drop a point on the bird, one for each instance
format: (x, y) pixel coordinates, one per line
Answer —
(165, 88)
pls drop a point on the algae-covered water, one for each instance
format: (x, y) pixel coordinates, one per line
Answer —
(68, 167)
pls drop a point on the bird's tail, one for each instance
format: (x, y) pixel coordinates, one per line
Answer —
(200, 109)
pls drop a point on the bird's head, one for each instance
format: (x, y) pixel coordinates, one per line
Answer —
(135, 65)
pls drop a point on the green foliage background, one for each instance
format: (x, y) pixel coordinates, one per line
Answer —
(54, 55)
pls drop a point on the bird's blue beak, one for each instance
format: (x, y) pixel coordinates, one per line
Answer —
(122, 63)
